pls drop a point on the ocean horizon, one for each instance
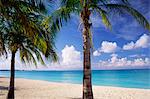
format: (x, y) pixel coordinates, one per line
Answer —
(127, 78)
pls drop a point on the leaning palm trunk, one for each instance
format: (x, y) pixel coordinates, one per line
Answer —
(12, 78)
(87, 83)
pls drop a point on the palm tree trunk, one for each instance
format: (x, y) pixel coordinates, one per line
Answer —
(12, 78)
(87, 83)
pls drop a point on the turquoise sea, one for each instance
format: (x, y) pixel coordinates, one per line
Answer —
(118, 78)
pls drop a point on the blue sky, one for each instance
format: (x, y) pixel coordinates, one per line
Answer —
(127, 45)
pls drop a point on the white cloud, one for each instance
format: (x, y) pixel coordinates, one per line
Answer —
(5, 63)
(137, 55)
(129, 46)
(70, 55)
(106, 47)
(115, 61)
(70, 59)
(142, 42)
(96, 53)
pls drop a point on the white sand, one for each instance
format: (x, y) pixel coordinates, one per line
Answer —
(36, 89)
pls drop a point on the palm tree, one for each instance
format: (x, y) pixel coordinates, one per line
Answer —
(14, 40)
(84, 9)
(22, 29)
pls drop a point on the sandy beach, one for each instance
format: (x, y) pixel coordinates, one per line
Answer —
(36, 89)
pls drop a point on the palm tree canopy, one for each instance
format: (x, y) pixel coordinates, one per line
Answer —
(15, 40)
(103, 7)
(22, 28)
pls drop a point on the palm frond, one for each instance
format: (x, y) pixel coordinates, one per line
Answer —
(75, 5)
(127, 9)
(125, 1)
(1, 3)
(103, 15)
(50, 53)
(24, 30)
(105, 19)
(27, 56)
(2, 45)
(62, 13)
(55, 20)
(100, 1)
(39, 57)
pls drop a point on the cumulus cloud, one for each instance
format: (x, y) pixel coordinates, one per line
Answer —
(106, 47)
(70, 55)
(142, 42)
(115, 61)
(96, 53)
(129, 46)
(70, 58)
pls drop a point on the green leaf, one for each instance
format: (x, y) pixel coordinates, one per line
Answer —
(105, 20)
(127, 9)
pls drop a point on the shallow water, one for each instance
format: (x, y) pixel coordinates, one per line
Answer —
(117, 78)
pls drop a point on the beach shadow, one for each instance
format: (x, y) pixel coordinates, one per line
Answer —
(74, 98)
(3, 88)
(1, 94)
(77, 98)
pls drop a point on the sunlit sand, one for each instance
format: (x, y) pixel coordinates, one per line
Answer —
(36, 89)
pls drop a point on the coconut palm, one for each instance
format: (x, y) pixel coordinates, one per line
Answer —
(22, 29)
(16, 41)
(84, 9)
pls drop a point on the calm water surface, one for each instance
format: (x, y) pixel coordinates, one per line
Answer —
(119, 78)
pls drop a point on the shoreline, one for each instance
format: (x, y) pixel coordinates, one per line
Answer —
(79, 84)
(34, 89)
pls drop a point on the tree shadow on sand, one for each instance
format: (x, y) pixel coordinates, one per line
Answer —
(77, 98)
(74, 98)
(1, 94)
(3, 88)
